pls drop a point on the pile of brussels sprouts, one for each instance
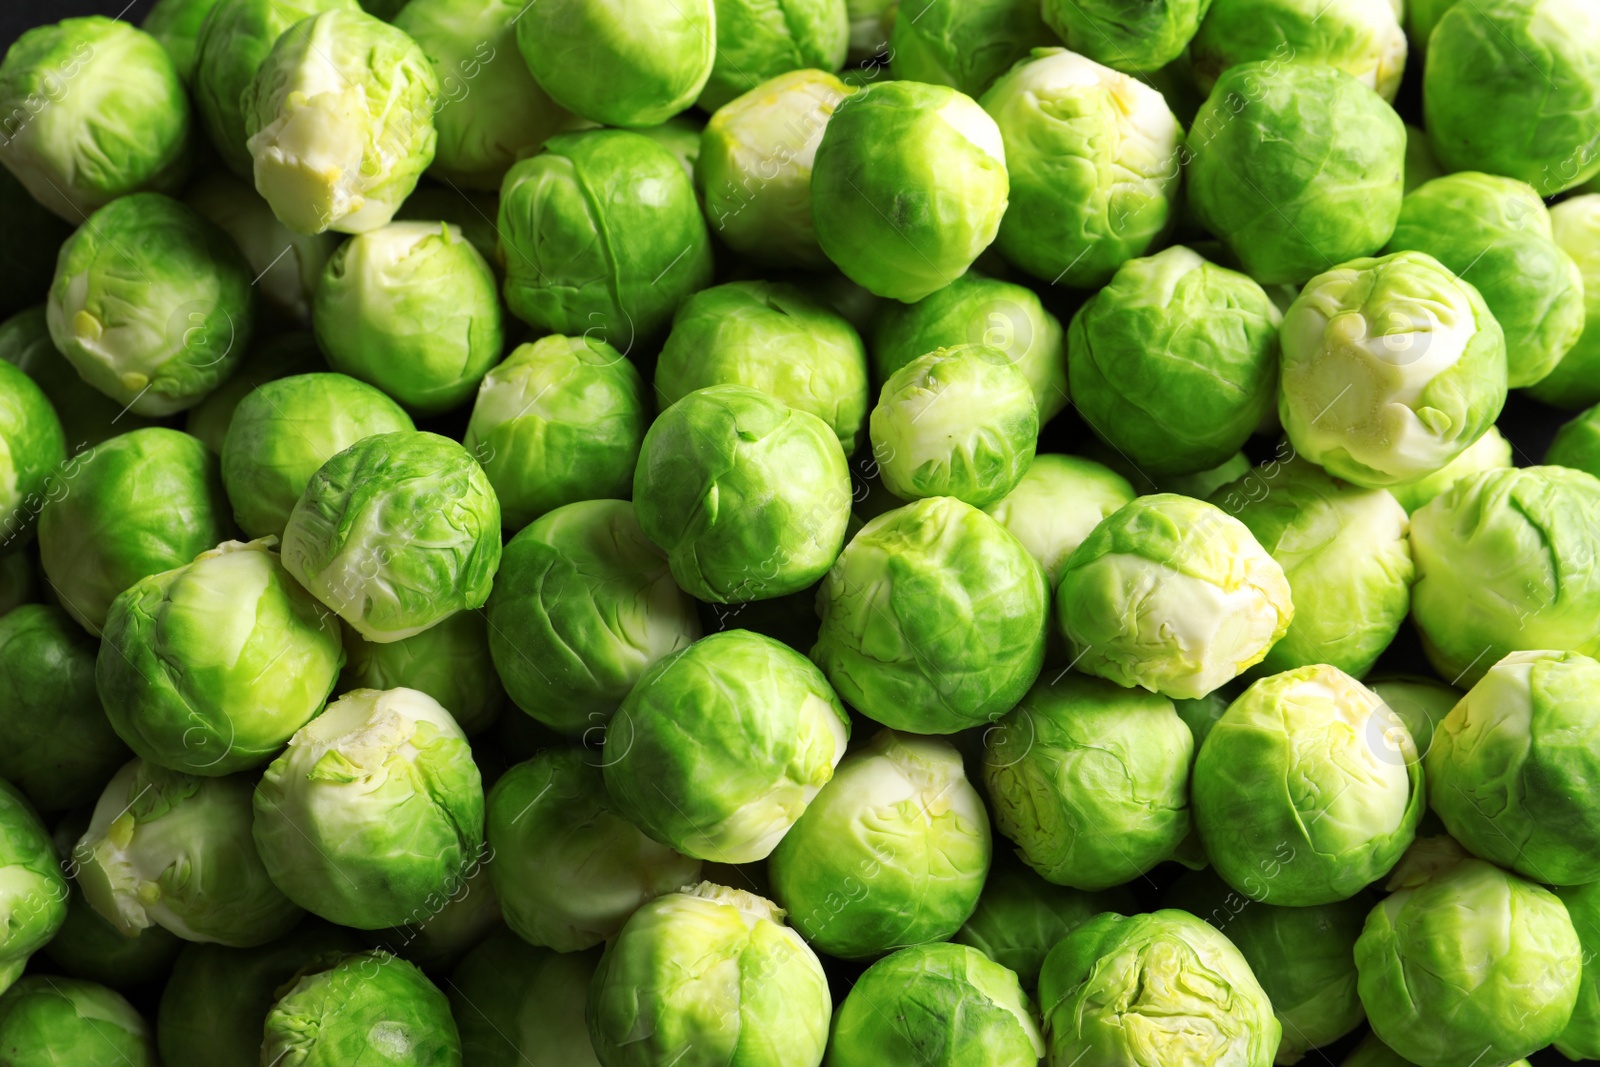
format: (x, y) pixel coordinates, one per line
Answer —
(801, 533)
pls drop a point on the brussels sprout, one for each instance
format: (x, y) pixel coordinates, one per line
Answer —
(757, 40)
(561, 420)
(515, 1004)
(1142, 989)
(1094, 164)
(1576, 444)
(900, 823)
(1497, 231)
(965, 45)
(936, 1005)
(213, 1007)
(1421, 704)
(1421, 17)
(284, 264)
(680, 135)
(59, 747)
(1295, 167)
(568, 868)
(975, 310)
(981, 439)
(340, 122)
(1505, 763)
(87, 415)
(210, 667)
(1467, 961)
(170, 849)
(1392, 368)
(619, 63)
(1360, 37)
(278, 357)
(46, 1021)
(1020, 917)
(1489, 452)
(449, 662)
(90, 948)
(151, 304)
(1303, 957)
(1421, 166)
(719, 747)
(583, 605)
(747, 497)
(1580, 1040)
(373, 816)
(491, 111)
(933, 619)
(1172, 594)
(94, 110)
(396, 533)
(29, 238)
(1525, 539)
(601, 234)
(1055, 506)
(285, 430)
(1575, 382)
(176, 24)
(33, 894)
(234, 41)
(1174, 363)
(1513, 87)
(1131, 37)
(157, 489)
(362, 1006)
(32, 451)
(773, 337)
(908, 187)
(757, 995)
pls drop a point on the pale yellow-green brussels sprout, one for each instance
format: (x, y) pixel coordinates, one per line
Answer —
(1133, 36)
(1363, 38)
(1094, 164)
(1392, 368)
(964, 45)
(340, 122)
(1489, 452)
(1575, 381)
(760, 39)
(1058, 502)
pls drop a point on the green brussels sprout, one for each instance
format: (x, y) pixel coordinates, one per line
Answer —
(59, 749)
(90, 948)
(981, 439)
(773, 337)
(151, 304)
(45, 1020)
(33, 893)
(756, 995)
(283, 431)
(176, 25)
(1392, 368)
(215, 1003)
(1506, 763)
(1489, 452)
(933, 619)
(1498, 231)
(1162, 988)
(937, 1005)
(561, 420)
(515, 1004)
(900, 825)
(1576, 444)
(1421, 17)
(908, 187)
(159, 491)
(1175, 363)
(1421, 166)
(1295, 167)
(1575, 382)
(1090, 780)
(600, 233)
(975, 310)
(965, 45)
(396, 533)
(748, 497)
(719, 747)
(339, 120)
(1094, 162)
(1171, 594)
(1055, 506)
(1363, 38)
(1580, 1040)
(1421, 704)
(1524, 538)
(758, 40)
(582, 606)
(1466, 961)
(619, 63)
(285, 264)
(374, 813)
(470, 211)
(1513, 87)
(1133, 37)
(412, 309)
(372, 1004)
(209, 668)
(94, 111)
(170, 849)
(568, 868)
(490, 111)
(1303, 957)
(449, 662)
(680, 135)
(87, 415)
(1294, 749)
(1020, 917)
(282, 356)
(234, 41)
(33, 454)
(30, 235)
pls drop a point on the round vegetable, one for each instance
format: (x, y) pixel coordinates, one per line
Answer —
(1575, 382)
(758, 39)
(33, 454)
(965, 46)
(339, 1011)
(1361, 37)
(33, 893)
(513, 1002)
(1129, 37)
(449, 662)
(45, 1020)
(1055, 506)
